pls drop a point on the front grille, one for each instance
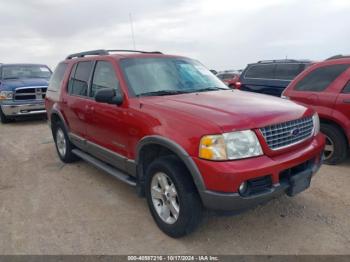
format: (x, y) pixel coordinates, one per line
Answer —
(30, 93)
(288, 133)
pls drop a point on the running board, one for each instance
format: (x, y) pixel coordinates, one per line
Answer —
(107, 168)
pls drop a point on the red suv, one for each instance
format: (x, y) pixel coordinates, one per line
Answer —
(166, 125)
(325, 87)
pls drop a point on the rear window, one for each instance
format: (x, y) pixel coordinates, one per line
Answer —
(288, 71)
(78, 83)
(320, 78)
(261, 71)
(57, 77)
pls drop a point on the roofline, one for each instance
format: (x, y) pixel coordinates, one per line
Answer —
(101, 52)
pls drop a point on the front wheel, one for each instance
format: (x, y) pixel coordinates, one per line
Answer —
(3, 118)
(172, 197)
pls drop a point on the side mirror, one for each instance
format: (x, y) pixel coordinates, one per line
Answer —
(109, 96)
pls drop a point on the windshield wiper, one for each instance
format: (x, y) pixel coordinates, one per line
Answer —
(162, 93)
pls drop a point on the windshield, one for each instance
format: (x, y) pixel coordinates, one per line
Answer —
(25, 71)
(166, 76)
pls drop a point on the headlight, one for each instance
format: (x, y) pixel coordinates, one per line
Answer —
(316, 122)
(229, 146)
(6, 95)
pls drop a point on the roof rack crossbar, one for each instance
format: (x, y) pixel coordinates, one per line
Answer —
(338, 57)
(93, 52)
(282, 60)
(106, 52)
(134, 51)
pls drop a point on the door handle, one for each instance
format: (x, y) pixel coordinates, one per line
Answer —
(346, 101)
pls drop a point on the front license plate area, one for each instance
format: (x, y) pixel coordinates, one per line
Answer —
(299, 182)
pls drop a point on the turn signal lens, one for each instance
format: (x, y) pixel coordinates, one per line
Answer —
(212, 148)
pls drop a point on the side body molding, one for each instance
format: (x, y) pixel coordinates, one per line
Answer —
(178, 150)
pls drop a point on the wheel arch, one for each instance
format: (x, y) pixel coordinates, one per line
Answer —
(153, 143)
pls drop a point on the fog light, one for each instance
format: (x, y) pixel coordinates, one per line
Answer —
(242, 188)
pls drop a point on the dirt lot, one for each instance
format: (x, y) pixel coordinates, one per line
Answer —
(47, 207)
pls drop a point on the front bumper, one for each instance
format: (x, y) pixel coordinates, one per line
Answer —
(222, 179)
(13, 109)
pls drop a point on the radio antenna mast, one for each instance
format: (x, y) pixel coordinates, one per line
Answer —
(132, 31)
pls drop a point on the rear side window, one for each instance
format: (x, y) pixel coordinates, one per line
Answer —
(320, 78)
(57, 77)
(261, 71)
(288, 71)
(346, 89)
(104, 77)
(79, 80)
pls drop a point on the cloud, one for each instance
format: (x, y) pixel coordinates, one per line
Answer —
(222, 34)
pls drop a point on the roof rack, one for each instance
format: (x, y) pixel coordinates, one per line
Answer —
(284, 60)
(338, 57)
(107, 52)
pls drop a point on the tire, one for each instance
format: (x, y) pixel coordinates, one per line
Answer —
(3, 118)
(336, 144)
(63, 145)
(187, 201)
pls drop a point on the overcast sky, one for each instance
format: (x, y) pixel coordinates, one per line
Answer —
(223, 34)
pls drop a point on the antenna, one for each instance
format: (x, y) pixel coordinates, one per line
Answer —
(132, 30)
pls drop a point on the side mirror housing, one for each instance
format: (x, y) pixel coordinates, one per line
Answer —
(109, 96)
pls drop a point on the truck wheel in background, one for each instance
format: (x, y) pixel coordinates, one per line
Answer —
(336, 144)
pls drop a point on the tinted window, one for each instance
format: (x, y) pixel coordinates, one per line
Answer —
(288, 71)
(320, 78)
(260, 71)
(347, 88)
(104, 77)
(79, 81)
(57, 77)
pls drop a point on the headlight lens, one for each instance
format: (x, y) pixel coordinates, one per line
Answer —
(316, 122)
(6, 95)
(229, 146)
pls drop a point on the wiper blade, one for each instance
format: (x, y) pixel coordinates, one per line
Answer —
(162, 93)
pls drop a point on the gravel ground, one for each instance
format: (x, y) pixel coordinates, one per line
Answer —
(47, 207)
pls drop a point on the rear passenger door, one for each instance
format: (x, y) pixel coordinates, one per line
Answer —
(75, 104)
(107, 123)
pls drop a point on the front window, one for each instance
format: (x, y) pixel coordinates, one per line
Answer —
(25, 71)
(166, 76)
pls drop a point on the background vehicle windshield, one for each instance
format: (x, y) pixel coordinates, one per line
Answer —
(151, 75)
(25, 71)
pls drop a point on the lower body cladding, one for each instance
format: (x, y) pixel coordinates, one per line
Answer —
(12, 109)
(243, 184)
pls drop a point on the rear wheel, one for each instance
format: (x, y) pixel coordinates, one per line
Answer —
(172, 197)
(336, 145)
(63, 145)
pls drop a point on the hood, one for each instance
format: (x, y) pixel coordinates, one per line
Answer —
(230, 110)
(12, 84)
